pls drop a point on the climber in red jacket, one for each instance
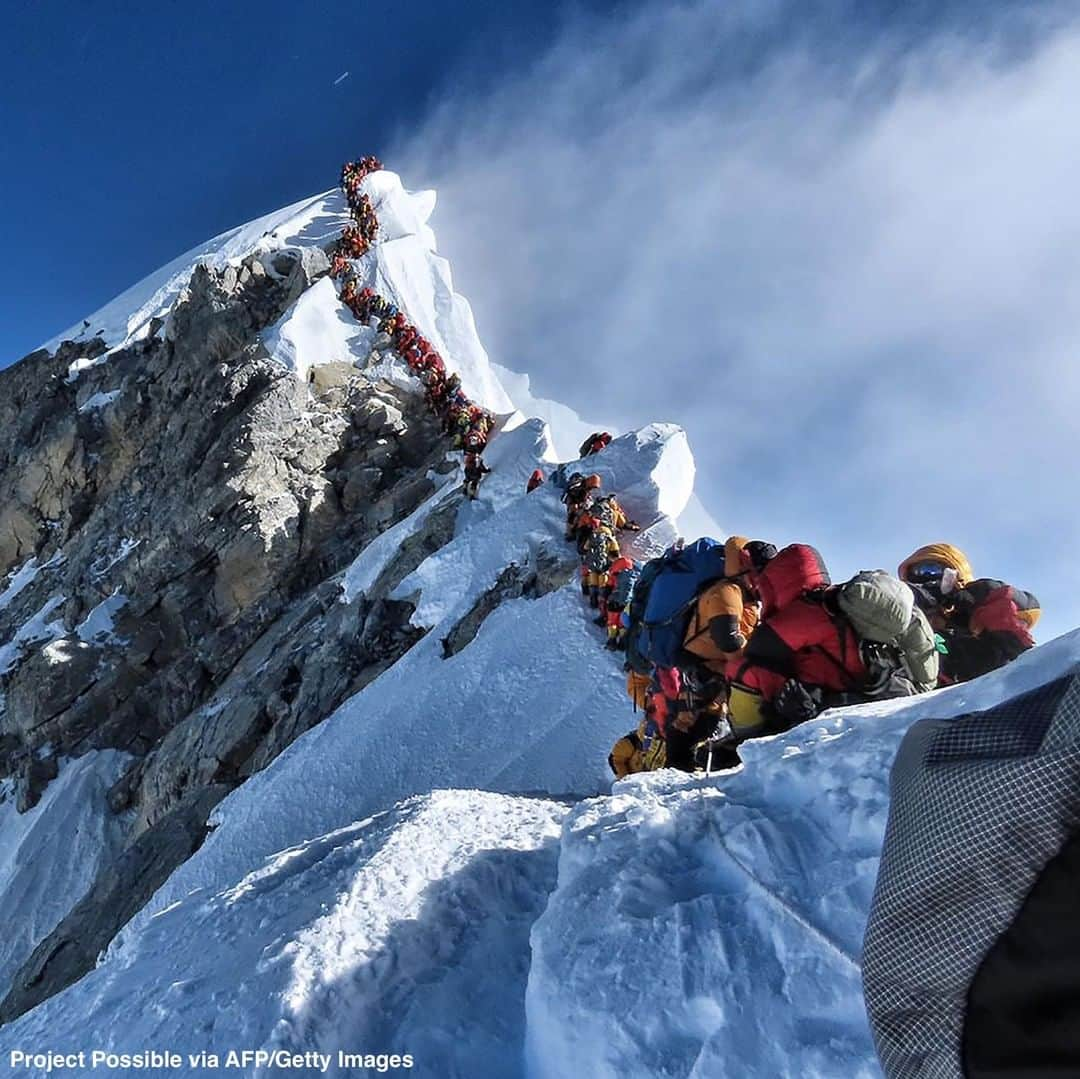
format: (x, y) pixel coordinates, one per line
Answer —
(989, 625)
(984, 623)
(402, 333)
(535, 480)
(474, 441)
(594, 443)
(799, 643)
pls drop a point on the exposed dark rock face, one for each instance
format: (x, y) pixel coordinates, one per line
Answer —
(552, 570)
(187, 504)
(64, 957)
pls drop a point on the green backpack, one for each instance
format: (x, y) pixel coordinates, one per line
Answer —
(881, 609)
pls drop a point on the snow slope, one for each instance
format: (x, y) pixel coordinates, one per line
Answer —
(700, 927)
(405, 268)
(568, 431)
(311, 222)
(531, 704)
(317, 329)
(50, 855)
(403, 933)
(713, 926)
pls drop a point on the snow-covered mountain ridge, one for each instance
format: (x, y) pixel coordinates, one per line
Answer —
(335, 740)
(205, 555)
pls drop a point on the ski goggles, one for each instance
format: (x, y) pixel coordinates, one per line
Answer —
(925, 572)
(945, 578)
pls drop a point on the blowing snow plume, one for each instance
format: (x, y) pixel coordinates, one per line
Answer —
(841, 259)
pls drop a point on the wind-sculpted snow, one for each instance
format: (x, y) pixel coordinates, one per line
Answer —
(713, 927)
(651, 470)
(403, 933)
(568, 431)
(416, 280)
(50, 855)
(403, 267)
(317, 330)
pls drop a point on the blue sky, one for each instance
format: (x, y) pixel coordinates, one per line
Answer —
(835, 240)
(133, 131)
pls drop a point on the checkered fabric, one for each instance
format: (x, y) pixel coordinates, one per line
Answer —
(980, 804)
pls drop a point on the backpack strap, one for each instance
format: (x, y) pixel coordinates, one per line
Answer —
(856, 685)
(852, 681)
(840, 621)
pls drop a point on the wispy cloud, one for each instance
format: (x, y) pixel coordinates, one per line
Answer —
(850, 272)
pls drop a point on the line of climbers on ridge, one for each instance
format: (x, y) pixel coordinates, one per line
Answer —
(725, 641)
(736, 640)
(468, 424)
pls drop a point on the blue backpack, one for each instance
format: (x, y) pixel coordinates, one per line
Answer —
(624, 587)
(662, 600)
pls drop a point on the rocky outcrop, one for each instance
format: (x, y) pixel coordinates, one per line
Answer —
(552, 569)
(172, 517)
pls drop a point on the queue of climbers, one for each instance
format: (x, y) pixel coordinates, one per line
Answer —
(731, 641)
(468, 424)
(723, 641)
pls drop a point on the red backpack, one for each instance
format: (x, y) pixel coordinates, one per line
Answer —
(796, 570)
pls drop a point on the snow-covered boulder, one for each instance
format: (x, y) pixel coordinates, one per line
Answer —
(714, 926)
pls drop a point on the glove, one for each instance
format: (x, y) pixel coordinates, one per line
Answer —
(796, 703)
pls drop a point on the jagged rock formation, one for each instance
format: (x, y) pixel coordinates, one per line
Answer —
(176, 514)
(552, 570)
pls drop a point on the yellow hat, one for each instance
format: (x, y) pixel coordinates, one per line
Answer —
(947, 555)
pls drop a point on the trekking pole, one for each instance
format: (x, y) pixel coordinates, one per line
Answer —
(708, 759)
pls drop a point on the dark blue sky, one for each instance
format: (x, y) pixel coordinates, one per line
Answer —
(132, 131)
